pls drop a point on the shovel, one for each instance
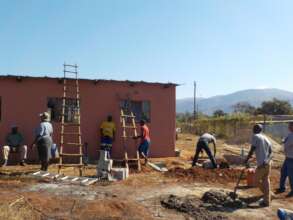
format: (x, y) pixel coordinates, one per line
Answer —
(234, 195)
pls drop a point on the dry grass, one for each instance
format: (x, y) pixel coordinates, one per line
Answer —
(17, 212)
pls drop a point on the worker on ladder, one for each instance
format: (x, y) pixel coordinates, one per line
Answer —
(107, 131)
(145, 143)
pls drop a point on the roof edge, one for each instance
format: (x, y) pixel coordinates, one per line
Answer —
(19, 77)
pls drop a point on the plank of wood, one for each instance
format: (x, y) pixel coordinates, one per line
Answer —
(157, 168)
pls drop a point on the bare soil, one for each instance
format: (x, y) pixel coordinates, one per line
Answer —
(139, 197)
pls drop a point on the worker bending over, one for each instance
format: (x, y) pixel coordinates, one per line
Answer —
(107, 131)
(145, 142)
(203, 144)
(262, 147)
(14, 143)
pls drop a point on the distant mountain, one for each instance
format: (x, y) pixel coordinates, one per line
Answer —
(225, 102)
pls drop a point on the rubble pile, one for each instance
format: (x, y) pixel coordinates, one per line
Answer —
(212, 205)
(192, 206)
(220, 200)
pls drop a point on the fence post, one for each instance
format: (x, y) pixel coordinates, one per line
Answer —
(235, 127)
(264, 123)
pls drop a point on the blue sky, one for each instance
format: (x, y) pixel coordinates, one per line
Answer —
(225, 45)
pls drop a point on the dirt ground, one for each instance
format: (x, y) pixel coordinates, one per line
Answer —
(139, 197)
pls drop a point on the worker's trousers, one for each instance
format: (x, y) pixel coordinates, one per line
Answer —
(263, 181)
(289, 171)
(284, 175)
(22, 150)
(202, 145)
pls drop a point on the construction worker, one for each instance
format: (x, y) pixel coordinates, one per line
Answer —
(43, 140)
(287, 168)
(262, 147)
(145, 142)
(107, 130)
(203, 144)
(14, 143)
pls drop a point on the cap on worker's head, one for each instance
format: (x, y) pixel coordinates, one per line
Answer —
(257, 128)
(109, 118)
(13, 126)
(45, 116)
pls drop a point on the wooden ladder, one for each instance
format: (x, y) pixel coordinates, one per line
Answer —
(126, 126)
(70, 128)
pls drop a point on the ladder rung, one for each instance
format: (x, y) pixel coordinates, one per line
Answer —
(129, 127)
(119, 160)
(76, 144)
(70, 124)
(68, 71)
(67, 154)
(72, 94)
(69, 105)
(128, 116)
(69, 114)
(70, 65)
(70, 85)
(74, 98)
(127, 136)
(71, 133)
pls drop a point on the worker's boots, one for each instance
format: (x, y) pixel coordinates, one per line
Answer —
(4, 163)
(44, 166)
(290, 194)
(22, 163)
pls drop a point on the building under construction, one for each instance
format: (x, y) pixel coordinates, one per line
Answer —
(22, 98)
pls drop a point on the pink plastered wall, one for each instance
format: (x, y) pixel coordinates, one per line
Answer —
(23, 100)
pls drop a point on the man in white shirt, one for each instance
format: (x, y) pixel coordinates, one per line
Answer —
(262, 147)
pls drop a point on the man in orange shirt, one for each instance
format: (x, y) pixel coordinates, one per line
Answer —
(145, 142)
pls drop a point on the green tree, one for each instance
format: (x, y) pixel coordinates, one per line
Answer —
(275, 107)
(219, 113)
(244, 107)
